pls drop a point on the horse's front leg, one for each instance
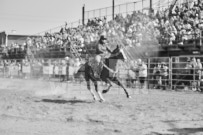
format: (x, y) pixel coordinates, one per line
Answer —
(116, 81)
(98, 92)
(89, 88)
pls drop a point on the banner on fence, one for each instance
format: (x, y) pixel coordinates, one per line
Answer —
(56, 70)
(60, 70)
(71, 70)
(37, 70)
(13, 70)
(48, 69)
(26, 69)
(1, 68)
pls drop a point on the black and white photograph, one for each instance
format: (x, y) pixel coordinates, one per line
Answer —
(101, 67)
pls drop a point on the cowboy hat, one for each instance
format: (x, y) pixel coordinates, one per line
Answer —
(103, 37)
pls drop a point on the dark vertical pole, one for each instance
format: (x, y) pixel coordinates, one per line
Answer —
(142, 6)
(113, 6)
(200, 38)
(150, 6)
(83, 14)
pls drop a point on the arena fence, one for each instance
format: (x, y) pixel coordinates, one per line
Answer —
(182, 72)
(46, 69)
(163, 72)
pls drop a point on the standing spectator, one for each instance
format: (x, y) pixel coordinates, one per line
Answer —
(142, 72)
(188, 76)
(6, 68)
(192, 73)
(199, 70)
(156, 75)
(132, 76)
(66, 78)
(164, 75)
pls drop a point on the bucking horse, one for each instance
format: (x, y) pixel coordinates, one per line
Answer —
(107, 74)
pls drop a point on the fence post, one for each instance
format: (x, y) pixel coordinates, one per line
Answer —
(170, 72)
(126, 9)
(113, 6)
(83, 15)
(201, 38)
(148, 79)
(106, 13)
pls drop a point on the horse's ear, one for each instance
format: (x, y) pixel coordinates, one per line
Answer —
(118, 47)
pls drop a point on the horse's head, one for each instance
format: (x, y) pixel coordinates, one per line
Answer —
(118, 53)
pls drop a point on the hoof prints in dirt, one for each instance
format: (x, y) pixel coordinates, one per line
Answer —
(59, 101)
(95, 121)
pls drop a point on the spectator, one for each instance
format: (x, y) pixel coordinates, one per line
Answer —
(142, 73)
(133, 74)
(156, 75)
(198, 71)
(164, 75)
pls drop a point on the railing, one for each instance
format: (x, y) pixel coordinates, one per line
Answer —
(124, 9)
(118, 9)
(181, 74)
(173, 73)
(44, 69)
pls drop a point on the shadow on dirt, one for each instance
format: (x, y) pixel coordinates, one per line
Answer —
(156, 133)
(61, 101)
(186, 131)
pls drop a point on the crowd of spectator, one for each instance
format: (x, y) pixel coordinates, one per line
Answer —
(177, 26)
(127, 31)
(181, 25)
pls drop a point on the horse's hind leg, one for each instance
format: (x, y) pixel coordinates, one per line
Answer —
(116, 81)
(109, 86)
(89, 87)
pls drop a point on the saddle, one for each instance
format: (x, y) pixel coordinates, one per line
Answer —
(96, 67)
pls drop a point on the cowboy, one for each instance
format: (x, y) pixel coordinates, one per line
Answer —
(102, 51)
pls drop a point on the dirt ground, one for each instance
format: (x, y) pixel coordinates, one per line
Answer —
(44, 108)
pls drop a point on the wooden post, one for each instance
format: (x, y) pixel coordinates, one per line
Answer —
(83, 14)
(113, 6)
(200, 38)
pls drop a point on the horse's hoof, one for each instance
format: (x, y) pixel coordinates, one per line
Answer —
(101, 100)
(94, 98)
(129, 96)
(104, 91)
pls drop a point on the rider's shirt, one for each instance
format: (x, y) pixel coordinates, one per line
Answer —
(102, 49)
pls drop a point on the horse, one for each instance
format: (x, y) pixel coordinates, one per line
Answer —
(107, 75)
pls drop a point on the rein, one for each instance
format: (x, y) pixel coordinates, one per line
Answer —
(111, 70)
